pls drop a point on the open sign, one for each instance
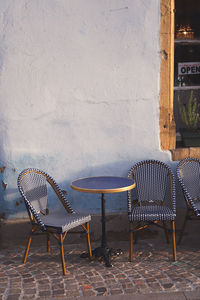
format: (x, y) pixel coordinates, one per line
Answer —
(189, 68)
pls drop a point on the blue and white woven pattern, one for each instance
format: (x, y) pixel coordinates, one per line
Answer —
(154, 197)
(63, 221)
(35, 189)
(188, 173)
(32, 186)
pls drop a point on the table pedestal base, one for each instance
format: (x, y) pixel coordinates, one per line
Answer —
(106, 254)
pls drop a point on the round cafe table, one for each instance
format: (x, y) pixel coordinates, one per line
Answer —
(102, 185)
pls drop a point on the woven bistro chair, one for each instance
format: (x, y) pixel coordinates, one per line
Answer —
(188, 173)
(153, 200)
(33, 185)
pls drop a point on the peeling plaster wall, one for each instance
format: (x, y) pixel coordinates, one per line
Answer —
(79, 92)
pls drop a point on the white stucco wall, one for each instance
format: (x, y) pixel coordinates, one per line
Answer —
(79, 91)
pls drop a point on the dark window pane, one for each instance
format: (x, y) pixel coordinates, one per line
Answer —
(188, 16)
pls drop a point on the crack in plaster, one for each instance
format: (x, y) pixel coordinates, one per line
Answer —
(108, 102)
(118, 9)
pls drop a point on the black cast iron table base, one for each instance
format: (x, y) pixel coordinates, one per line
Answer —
(104, 252)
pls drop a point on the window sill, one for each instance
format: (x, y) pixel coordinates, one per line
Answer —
(181, 153)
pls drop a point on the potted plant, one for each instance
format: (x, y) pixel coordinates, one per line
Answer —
(190, 117)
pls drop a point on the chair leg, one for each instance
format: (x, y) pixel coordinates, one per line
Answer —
(173, 240)
(166, 231)
(183, 227)
(131, 241)
(136, 233)
(48, 243)
(27, 248)
(62, 254)
(88, 241)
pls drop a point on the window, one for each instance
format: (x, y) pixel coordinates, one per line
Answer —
(187, 72)
(180, 71)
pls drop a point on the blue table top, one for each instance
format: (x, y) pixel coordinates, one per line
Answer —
(103, 184)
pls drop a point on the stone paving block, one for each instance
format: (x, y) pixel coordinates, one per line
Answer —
(101, 291)
(44, 287)
(13, 297)
(69, 281)
(30, 280)
(116, 291)
(45, 293)
(72, 294)
(81, 277)
(127, 285)
(109, 276)
(43, 281)
(110, 281)
(114, 286)
(168, 285)
(3, 280)
(30, 291)
(15, 283)
(60, 292)
(72, 287)
(95, 278)
(58, 286)
(98, 284)
(28, 297)
(130, 291)
(89, 293)
(14, 291)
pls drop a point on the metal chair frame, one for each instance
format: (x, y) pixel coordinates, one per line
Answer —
(192, 212)
(142, 224)
(39, 227)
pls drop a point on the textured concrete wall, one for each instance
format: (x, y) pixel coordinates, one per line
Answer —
(79, 92)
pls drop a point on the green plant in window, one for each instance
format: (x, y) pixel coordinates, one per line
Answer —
(189, 113)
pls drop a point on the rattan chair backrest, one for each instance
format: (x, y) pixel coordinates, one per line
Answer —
(188, 173)
(32, 184)
(154, 183)
(35, 188)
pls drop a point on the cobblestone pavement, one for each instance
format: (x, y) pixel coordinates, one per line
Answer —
(152, 271)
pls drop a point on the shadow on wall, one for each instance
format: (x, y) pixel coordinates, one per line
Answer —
(12, 205)
(7, 170)
(4, 168)
(81, 202)
(2, 188)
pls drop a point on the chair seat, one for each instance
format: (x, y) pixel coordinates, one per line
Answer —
(151, 213)
(64, 221)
